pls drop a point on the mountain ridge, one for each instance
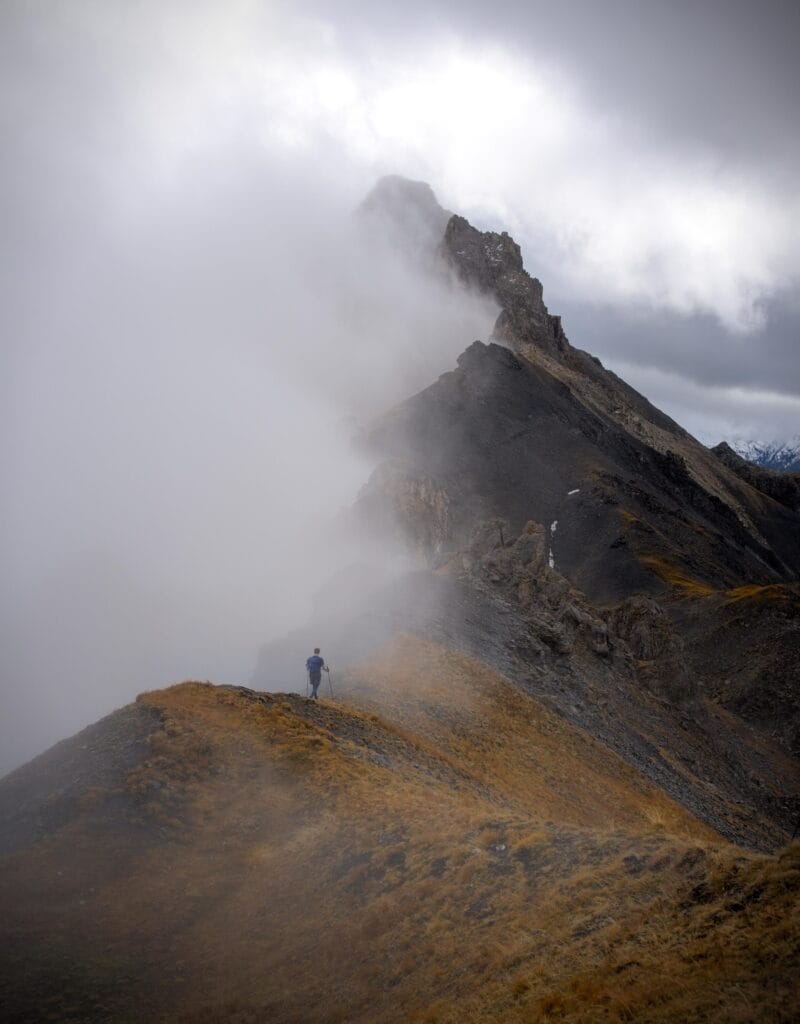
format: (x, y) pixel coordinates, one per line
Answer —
(528, 428)
(399, 856)
(556, 772)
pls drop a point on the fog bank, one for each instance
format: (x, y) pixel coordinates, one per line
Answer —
(180, 431)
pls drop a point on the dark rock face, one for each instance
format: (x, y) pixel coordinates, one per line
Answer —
(541, 481)
(486, 259)
(742, 648)
(492, 263)
(644, 625)
(412, 507)
(502, 436)
(653, 641)
(530, 428)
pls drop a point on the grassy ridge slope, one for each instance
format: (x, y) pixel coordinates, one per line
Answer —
(434, 846)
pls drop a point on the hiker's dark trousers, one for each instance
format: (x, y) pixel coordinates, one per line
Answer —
(314, 678)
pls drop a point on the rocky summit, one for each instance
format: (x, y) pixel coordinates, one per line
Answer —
(554, 776)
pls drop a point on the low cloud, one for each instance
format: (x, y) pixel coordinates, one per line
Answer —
(189, 351)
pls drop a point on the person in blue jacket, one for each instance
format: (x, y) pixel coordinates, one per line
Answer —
(314, 665)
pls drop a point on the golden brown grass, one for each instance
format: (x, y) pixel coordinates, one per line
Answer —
(440, 848)
(773, 592)
(533, 760)
(687, 586)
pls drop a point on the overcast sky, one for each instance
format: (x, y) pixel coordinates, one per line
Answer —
(190, 324)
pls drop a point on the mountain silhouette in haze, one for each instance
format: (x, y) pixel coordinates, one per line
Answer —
(555, 776)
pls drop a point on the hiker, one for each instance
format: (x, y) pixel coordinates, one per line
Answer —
(315, 665)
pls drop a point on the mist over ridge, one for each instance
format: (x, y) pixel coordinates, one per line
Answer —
(421, 334)
(189, 411)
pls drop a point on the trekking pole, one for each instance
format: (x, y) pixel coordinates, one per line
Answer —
(307, 678)
(330, 684)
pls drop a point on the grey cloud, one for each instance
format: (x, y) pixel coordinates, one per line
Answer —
(722, 73)
(697, 348)
(713, 413)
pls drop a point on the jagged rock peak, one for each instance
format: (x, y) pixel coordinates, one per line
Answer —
(492, 263)
(485, 259)
(408, 213)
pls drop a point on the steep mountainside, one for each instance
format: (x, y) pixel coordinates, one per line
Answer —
(638, 695)
(555, 777)
(532, 428)
(529, 434)
(398, 855)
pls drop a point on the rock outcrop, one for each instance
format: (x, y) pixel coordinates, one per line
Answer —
(409, 507)
(492, 263)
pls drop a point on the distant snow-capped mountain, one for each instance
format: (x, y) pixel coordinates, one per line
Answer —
(783, 456)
